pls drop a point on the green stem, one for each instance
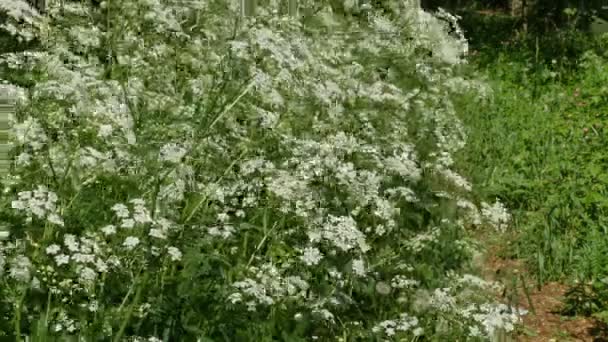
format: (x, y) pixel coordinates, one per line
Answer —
(17, 320)
(127, 317)
(527, 293)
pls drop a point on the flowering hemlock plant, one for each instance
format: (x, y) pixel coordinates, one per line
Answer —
(182, 172)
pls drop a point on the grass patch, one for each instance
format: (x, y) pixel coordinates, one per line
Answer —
(541, 148)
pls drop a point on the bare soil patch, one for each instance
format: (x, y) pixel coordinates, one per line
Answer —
(543, 322)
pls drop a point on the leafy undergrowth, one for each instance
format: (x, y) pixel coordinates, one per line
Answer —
(541, 148)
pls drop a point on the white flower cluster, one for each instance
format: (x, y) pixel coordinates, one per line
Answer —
(172, 153)
(496, 215)
(496, 317)
(21, 269)
(473, 281)
(137, 217)
(84, 255)
(20, 12)
(402, 282)
(457, 179)
(472, 212)
(423, 240)
(143, 339)
(90, 158)
(442, 300)
(179, 180)
(403, 324)
(29, 133)
(483, 319)
(267, 286)
(140, 213)
(40, 203)
(405, 165)
(311, 256)
(341, 232)
(64, 323)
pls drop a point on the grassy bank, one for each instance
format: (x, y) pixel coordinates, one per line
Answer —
(541, 148)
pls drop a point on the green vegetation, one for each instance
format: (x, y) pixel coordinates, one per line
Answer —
(541, 148)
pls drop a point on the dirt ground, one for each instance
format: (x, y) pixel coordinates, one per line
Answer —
(543, 322)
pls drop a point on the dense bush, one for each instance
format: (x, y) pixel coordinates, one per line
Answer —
(184, 173)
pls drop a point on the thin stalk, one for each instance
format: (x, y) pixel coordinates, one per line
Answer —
(127, 317)
(17, 320)
(527, 293)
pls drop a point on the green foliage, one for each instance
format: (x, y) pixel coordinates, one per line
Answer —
(588, 298)
(487, 33)
(541, 147)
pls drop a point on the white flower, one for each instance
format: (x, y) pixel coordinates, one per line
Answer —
(19, 205)
(457, 179)
(359, 267)
(53, 249)
(342, 232)
(56, 219)
(497, 215)
(40, 203)
(223, 217)
(23, 159)
(311, 256)
(20, 269)
(121, 210)
(62, 259)
(474, 331)
(235, 298)
(402, 282)
(172, 153)
(70, 242)
(109, 229)
(224, 231)
(403, 323)
(164, 224)
(443, 300)
(174, 253)
(141, 215)
(105, 131)
(87, 275)
(101, 266)
(404, 164)
(157, 233)
(495, 317)
(325, 314)
(131, 242)
(127, 223)
(114, 261)
(93, 306)
(83, 258)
